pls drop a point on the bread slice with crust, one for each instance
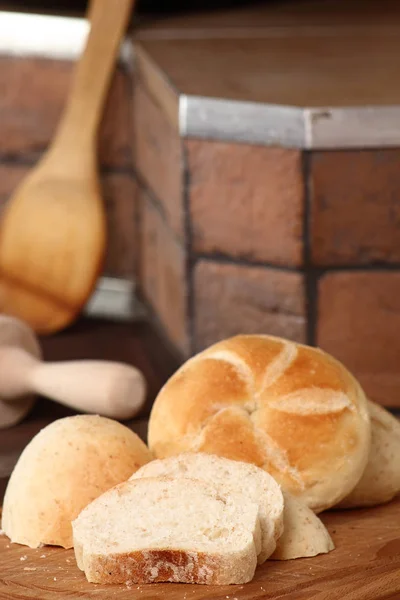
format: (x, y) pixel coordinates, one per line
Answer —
(304, 533)
(230, 476)
(162, 529)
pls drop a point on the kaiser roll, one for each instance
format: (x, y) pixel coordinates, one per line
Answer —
(291, 409)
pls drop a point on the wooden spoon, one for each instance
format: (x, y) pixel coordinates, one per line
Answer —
(52, 235)
(110, 389)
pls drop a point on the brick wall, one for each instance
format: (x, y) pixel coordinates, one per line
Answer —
(32, 95)
(225, 238)
(211, 201)
(304, 245)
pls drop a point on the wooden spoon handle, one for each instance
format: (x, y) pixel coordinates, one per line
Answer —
(110, 389)
(108, 21)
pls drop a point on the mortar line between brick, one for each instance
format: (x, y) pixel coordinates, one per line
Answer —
(310, 274)
(188, 244)
(314, 271)
(24, 161)
(240, 261)
(156, 204)
(18, 160)
(368, 268)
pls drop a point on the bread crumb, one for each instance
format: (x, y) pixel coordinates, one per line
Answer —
(55, 578)
(43, 556)
(23, 557)
(29, 568)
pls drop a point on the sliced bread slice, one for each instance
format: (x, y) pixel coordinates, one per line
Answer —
(380, 482)
(304, 533)
(230, 476)
(162, 529)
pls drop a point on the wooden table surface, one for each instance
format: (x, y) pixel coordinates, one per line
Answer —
(364, 566)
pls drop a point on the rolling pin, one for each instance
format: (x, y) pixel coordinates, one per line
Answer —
(110, 389)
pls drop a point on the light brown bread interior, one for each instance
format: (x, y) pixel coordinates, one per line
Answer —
(291, 409)
(230, 477)
(161, 529)
(380, 481)
(304, 534)
(64, 467)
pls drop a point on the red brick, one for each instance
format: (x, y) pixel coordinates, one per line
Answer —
(115, 136)
(355, 208)
(34, 93)
(359, 323)
(119, 192)
(246, 201)
(162, 273)
(231, 299)
(158, 156)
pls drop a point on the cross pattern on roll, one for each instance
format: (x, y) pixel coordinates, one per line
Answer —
(291, 409)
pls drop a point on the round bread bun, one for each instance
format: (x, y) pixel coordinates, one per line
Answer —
(65, 466)
(380, 482)
(291, 409)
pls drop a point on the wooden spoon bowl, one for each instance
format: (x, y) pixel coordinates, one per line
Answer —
(50, 257)
(53, 233)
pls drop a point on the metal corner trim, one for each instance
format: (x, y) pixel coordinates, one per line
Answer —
(310, 128)
(239, 121)
(353, 127)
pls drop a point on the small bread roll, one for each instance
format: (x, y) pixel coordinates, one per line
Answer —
(381, 479)
(291, 409)
(67, 465)
(304, 534)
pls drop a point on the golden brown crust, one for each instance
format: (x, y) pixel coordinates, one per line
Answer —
(166, 565)
(291, 409)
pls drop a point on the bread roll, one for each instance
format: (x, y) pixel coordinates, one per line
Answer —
(304, 534)
(291, 409)
(160, 529)
(64, 467)
(381, 479)
(229, 476)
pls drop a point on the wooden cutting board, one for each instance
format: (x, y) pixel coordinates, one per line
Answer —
(364, 566)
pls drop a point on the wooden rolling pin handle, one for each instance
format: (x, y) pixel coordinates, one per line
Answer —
(110, 389)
